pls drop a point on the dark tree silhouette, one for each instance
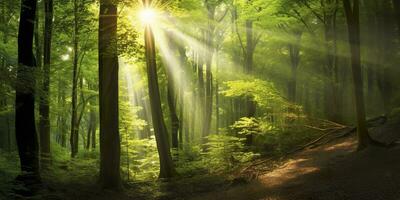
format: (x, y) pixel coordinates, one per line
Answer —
(25, 128)
(108, 92)
(353, 24)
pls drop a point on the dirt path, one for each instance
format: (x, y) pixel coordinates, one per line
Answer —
(330, 172)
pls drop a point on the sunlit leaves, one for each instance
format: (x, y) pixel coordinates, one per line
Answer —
(247, 126)
(262, 92)
(225, 152)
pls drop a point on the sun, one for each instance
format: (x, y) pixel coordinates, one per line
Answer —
(147, 16)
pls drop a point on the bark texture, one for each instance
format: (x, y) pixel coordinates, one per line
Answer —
(108, 93)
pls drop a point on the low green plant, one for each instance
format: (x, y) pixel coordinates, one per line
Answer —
(225, 152)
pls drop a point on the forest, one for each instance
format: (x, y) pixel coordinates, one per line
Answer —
(199, 99)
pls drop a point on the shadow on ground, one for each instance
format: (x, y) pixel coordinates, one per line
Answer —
(330, 172)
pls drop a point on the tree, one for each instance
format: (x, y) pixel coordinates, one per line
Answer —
(25, 128)
(44, 107)
(248, 50)
(353, 25)
(171, 94)
(167, 169)
(74, 137)
(108, 94)
(396, 5)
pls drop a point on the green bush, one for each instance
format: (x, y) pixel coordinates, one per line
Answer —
(225, 152)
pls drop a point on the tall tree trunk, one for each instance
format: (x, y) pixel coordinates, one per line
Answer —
(201, 91)
(88, 135)
(91, 135)
(171, 97)
(249, 61)
(172, 111)
(386, 39)
(294, 52)
(166, 166)
(110, 149)
(74, 137)
(61, 121)
(94, 128)
(44, 107)
(25, 128)
(181, 85)
(396, 5)
(127, 153)
(331, 85)
(209, 37)
(217, 95)
(353, 24)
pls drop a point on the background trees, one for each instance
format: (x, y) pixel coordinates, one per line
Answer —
(246, 74)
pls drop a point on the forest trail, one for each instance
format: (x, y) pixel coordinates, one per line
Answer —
(329, 172)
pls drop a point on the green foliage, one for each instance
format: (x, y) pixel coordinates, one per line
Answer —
(262, 92)
(142, 157)
(247, 126)
(225, 152)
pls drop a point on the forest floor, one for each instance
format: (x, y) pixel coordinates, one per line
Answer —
(333, 171)
(328, 172)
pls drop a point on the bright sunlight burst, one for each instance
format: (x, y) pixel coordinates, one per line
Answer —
(148, 16)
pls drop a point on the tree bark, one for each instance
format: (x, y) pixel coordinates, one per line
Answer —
(44, 107)
(172, 111)
(166, 166)
(110, 149)
(209, 39)
(353, 24)
(294, 52)
(172, 101)
(181, 86)
(396, 5)
(331, 93)
(25, 128)
(74, 136)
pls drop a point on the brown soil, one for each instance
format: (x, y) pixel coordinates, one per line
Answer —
(329, 172)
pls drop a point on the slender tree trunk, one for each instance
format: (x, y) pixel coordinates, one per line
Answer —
(62, 129)
(9, 142)
(171, 97)
(94, 128)
(209, 77)
(294, 51)
(386, 39)
(91, 135)
(166, 166)
(172, 111)
(38, 45)
(110, 149)
(44, 107)
(353, 24)
(127, 152)
(396, 5)
(181, 85)
(25, 128)
(249, 61)
(331, 85)
(217, 95)
(88, 135)
(201, 94)
(74, 137)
